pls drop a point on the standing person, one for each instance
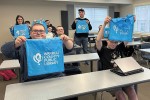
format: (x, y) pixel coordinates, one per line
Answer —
(19, 21)
(81, 38)
(107, 54)
(16, 50)
(49, 24)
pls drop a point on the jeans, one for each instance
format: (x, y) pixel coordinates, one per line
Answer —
(81, 41)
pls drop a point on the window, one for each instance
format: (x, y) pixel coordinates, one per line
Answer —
(142, 23)
(95, 15)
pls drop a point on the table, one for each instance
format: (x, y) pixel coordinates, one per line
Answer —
(81, 58)
(92, 36)
(11, 64)
(92, 39)
(145, 50)
(133, 43)
(74, 85)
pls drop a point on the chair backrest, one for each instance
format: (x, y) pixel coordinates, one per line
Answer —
(145, 45)
(72, 68)
(99, 65)
(144, 38)
(137, 39)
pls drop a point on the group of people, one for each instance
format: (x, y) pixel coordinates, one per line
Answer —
(107, 53)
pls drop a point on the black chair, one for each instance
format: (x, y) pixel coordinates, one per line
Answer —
(145, 38)
(136, 47)
(99, 65)
(72, 68)
(91, 39)
(144, 55)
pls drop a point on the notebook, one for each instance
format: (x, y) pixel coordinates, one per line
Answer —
(127, 66)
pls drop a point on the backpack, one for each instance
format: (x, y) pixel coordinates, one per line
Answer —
(7, 74)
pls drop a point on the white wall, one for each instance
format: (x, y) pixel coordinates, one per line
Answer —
(141, 2)
(30, 10)
(35, 9)
(126, 9)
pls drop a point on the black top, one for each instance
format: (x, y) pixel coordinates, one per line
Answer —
(108, 55)
(81, 34)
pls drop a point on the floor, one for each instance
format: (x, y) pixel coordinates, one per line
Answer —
(143, 89)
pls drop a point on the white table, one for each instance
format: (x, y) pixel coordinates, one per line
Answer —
(133, 43)
(11, 64)
(82, 57)
(145, 50)
(92, 36)
(70, 86)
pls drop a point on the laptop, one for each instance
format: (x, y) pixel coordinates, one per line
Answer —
(127, 66)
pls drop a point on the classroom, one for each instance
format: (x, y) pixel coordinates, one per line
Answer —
(77, 30)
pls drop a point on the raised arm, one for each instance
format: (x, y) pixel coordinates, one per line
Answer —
(10, 49)
(12, 30)
(67, 41)
(100, 33)
(73, 26)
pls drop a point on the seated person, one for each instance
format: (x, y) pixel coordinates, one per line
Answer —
(107, 54)
(16, 50)
(71, 68)
(49, 24)
(28, 23)
(50, 34)
(19, 21)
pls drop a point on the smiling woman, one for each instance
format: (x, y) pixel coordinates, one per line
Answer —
(19, 21)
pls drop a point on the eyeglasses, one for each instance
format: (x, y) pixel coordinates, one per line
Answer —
(38, 31)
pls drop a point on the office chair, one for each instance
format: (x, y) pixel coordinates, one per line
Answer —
(144, 55)
(136, 48)
(72, 68)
